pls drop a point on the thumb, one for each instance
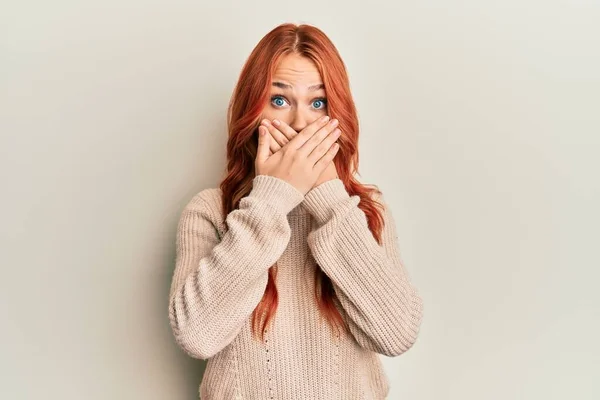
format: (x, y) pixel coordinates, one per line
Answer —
(262, 153)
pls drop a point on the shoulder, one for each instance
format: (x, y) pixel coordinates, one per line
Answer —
(376, 195)
(207, 204)
(382, 204)
(205, 200)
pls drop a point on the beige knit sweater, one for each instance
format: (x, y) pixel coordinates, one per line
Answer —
(221, 275)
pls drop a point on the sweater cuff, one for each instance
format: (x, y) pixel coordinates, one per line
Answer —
(321, 200)
(276, 192)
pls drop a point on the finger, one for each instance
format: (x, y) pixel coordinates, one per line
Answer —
(274, 147)
(301, 138)
(324, 146)
(262, 152)
(318, 137)
(287, 130)
(327, 158)
(279, 137)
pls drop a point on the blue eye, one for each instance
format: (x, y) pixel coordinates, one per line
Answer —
(278, 101)
(320, 101)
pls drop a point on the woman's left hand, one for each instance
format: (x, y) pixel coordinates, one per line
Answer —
(281, 133)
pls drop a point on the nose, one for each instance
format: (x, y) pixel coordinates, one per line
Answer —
(300, 119)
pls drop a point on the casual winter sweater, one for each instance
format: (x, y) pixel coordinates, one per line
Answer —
(221, 275)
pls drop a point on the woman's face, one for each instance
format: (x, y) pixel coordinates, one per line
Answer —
(297, 93)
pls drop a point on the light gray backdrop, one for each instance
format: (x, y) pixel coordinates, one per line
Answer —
(479, 121)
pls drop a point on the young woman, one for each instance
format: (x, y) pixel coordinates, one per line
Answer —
(288, 277)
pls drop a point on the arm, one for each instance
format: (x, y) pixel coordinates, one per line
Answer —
(217, 284)
(384, 310)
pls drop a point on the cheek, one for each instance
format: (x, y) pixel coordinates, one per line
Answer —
(319, 114)
(267, 113)
(271, 114)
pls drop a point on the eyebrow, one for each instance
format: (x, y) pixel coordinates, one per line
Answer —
(310, 88)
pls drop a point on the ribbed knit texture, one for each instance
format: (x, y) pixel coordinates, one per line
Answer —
(221, 275)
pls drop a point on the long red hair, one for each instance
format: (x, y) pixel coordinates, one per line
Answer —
(248, 100)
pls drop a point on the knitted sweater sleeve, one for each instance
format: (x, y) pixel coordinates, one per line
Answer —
(383, 309)
(218, 282)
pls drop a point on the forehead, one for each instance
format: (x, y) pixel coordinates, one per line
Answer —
(298, 71)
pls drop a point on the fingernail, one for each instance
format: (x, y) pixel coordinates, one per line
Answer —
(325, 118)
(334, 122)
(276, 122)
(265, 122)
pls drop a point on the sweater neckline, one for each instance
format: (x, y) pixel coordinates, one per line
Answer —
(300, 209)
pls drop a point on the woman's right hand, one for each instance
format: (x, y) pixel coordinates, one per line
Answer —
(300, 161)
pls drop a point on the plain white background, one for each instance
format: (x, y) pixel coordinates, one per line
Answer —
(479, 120)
